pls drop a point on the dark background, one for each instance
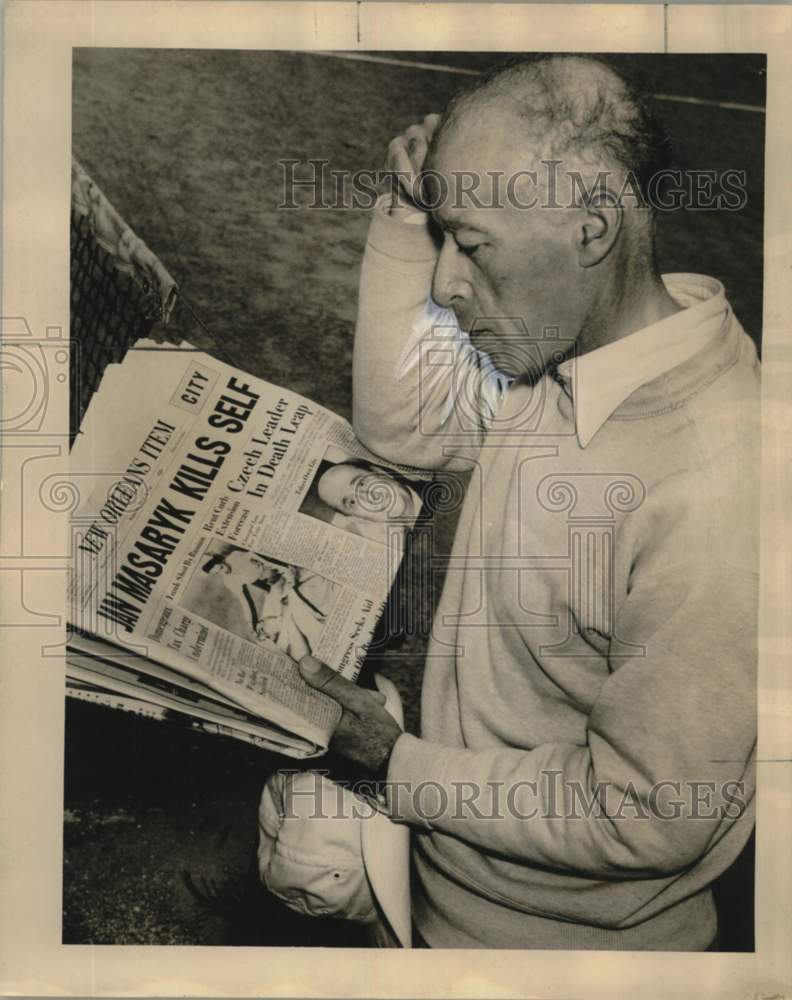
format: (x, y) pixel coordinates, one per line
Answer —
(160, 822)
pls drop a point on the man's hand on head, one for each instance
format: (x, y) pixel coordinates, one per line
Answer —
(366, 732)
(406, 155)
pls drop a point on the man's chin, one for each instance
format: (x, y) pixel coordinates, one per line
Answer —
(510, 353)
(514, 367)
(527, 361)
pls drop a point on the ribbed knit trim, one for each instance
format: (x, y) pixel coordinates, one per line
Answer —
(448, 915)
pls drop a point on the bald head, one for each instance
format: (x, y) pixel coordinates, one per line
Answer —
(569, 108)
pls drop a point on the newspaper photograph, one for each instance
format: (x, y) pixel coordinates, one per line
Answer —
(227, 528)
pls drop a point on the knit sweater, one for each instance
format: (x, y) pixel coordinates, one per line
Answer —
(585, 764)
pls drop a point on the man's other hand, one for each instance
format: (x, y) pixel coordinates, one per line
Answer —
(406, 155)
(366, 732)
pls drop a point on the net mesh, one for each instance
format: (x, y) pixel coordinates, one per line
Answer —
(119, 291)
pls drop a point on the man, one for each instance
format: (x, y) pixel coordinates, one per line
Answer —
(584, 770)
(287, 606)
(249, 578)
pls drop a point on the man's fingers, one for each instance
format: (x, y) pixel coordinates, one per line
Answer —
(406, 156)
(321, 677)
(430, 123)
(401, 165)
(398, 158)
(417, 144)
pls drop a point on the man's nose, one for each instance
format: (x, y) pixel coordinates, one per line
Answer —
(450, 288)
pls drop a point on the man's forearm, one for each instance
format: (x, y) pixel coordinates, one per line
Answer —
(545, 807)
(395, 284)
(412, 362)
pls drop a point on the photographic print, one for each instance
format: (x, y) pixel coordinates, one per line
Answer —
(360, 496)
(343, 263)
(260, 599)
(408, 471)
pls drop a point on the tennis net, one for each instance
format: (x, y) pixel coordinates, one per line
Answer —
(119, 290)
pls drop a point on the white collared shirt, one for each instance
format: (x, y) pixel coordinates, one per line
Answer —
(600, 381)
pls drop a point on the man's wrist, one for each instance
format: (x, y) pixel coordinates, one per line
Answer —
(401, 209)
(408, 213)
(400, 206)
(381, 774)
(404, 238)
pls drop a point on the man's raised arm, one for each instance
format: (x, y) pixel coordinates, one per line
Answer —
(412, 364)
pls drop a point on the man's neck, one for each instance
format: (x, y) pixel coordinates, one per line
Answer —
(625, 306)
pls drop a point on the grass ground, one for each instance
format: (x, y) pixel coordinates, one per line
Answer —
(160, 823)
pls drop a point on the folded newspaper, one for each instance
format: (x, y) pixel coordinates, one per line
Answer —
(225, 528)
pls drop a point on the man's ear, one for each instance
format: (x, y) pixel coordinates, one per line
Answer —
(600, 224)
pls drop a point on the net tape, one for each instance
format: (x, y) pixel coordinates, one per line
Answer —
(119, 290)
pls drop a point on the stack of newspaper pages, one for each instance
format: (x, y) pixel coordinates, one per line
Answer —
(224, 529)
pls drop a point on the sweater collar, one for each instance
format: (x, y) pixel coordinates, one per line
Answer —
(602, 380)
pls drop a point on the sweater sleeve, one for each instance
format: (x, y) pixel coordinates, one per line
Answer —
(666, 768)
(423, 395)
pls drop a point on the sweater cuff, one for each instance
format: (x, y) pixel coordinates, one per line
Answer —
(399, 239)
(414, 791)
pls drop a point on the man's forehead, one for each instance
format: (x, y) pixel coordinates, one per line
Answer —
(484, 137)
(471, 201)
(469, 168)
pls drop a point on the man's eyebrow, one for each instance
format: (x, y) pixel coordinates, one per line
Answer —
(475, 230)
(457, 226)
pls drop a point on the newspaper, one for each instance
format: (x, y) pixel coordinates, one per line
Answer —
(225, 528)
